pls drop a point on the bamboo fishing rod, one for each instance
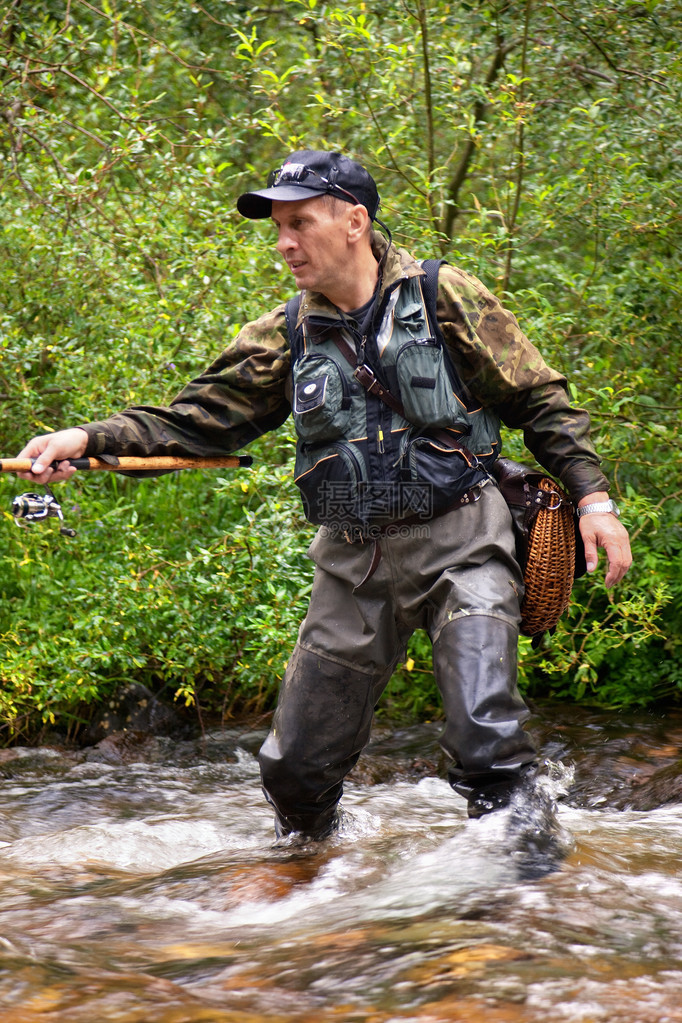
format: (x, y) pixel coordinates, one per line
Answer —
(130, 463)
(28, 508)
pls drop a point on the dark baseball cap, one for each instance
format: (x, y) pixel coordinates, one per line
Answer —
(310, 172)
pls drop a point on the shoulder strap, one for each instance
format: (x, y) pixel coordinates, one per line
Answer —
(431, 268)
(295, 333)
(430, 292)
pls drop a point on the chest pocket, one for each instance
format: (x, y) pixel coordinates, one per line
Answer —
(425, 388)
(322, 398)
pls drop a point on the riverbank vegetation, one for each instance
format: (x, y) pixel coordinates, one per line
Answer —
(536, 145)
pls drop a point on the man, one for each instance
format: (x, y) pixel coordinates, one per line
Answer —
(397, 434)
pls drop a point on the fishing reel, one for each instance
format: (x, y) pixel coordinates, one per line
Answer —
(33, 507)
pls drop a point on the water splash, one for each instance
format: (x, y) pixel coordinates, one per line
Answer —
(536, 840)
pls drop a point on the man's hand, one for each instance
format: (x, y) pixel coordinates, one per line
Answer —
(605, 530)
(54, 447)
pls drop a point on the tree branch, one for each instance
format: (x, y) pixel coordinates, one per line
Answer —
(424, 32)
(480, 112)
(584, 32)
(520, 151)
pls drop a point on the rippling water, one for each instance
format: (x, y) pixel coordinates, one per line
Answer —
(142, 884)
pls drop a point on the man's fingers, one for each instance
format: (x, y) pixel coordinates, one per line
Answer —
(607, 532)
(620, 560)
(591, 555)
(55, 448)
(43, 472)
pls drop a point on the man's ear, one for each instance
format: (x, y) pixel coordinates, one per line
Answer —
(357, 223)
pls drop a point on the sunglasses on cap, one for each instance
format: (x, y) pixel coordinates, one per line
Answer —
(298, 172)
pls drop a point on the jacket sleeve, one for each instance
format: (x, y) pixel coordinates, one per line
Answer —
(503, 370)
(242, 395)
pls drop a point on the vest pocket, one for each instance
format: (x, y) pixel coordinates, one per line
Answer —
(322, 400)
(440, 464)
(331, 478)
(425, 388)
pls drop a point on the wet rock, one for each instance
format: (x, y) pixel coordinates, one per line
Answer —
(270, 882)
(400, 754)
(125, 747)
(135, 708)
(380, 769)
(621, 760)
(660, 789)
(21, 760)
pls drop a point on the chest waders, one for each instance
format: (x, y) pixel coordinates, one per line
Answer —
(365, 469)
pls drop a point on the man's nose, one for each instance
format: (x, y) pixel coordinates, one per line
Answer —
(284, 240)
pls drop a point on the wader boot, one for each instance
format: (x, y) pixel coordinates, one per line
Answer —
(322, 722)
(474, 659)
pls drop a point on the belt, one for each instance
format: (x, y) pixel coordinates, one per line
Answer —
(373, 534)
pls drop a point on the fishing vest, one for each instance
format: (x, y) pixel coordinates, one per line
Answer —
(386, 431)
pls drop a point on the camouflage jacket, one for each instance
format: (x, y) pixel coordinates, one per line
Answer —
(246, 391)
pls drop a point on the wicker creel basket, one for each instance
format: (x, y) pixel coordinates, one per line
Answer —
(550, 563)
(546, 541)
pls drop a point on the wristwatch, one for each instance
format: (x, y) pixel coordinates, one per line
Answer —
(599, 506)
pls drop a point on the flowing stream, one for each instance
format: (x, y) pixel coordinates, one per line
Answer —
(141, 883)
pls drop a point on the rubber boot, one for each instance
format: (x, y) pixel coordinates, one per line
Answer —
(322, 722)
(475, 665)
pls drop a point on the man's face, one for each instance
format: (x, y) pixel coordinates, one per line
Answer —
(312, 236)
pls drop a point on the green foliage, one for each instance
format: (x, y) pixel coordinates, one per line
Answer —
(536, 145)
(192, 583)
